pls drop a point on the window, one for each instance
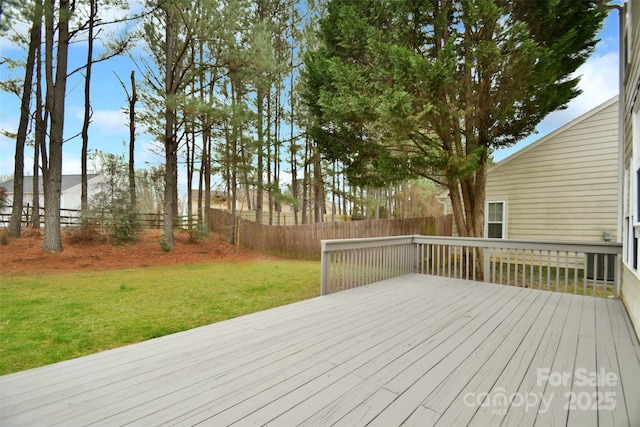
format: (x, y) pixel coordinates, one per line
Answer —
(495, 227)
(631, 207)
(635, 185)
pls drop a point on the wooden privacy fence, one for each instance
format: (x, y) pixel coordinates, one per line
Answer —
(303, 241)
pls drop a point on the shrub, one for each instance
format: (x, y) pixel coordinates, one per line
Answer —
(86, 233)
(198, 232)
(164, 244)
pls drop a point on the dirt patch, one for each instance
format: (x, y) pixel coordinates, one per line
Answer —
(25, 254)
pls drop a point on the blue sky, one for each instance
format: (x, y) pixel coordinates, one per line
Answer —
(108, 130)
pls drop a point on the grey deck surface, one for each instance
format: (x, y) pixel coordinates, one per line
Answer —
(414, 351)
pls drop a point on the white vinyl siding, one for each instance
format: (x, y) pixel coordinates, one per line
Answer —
(631, 111)
(563, 187)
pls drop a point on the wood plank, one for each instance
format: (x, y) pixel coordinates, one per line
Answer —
(628, 362)
(500, 372)
(563, 364)
(421, 417)
(583, 401)
(397, 357)
(527, 384)
(606, 359)
(434, 368)
(359, 415)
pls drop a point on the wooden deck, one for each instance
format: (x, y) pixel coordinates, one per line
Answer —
(414, 351)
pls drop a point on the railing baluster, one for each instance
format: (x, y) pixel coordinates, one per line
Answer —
(595, 274)
(531, 269)
(557, 269)
(584, 279)
(524, 268)
(575, 272)
(549, 270)
(540, 269)
(508, 266)
(566, 272)
(605, 275)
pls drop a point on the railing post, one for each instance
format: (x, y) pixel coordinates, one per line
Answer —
(416, 254)
(618, 275)
(325, 261)
(486, 273)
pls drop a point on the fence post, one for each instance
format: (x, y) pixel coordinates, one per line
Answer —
(325, 260)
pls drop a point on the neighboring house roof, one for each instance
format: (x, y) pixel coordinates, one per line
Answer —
(553, 134)
(68, 181)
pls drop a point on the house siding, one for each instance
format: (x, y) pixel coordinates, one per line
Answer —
(630, 288)
(563, 187)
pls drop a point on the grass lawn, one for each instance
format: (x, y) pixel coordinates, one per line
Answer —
(53, 317)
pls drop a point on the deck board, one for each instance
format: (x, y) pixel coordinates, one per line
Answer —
(403, 351)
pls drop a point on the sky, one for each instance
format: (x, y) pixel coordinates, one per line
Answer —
(109, 128)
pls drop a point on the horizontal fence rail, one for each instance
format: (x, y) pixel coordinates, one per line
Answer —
(571, 267)
(72, 218)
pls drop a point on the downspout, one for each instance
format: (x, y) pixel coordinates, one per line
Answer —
(602, 4)
(621, 111)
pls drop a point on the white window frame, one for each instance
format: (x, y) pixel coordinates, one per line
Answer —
(634, 198)
(504, 217)
(628, 218)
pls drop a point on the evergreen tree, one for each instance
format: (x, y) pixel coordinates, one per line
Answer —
(430, 88)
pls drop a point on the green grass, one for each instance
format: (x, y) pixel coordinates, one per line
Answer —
(53, 317)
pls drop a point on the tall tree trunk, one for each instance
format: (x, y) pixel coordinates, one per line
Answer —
(170, 140)
(132, 142)
(305, 179)
(56, 103)
(269, 159)
(318, 190)
(15, 221)
(190, 162)
(292, 145)
(84, 204)
(39, 139)
(260, 171)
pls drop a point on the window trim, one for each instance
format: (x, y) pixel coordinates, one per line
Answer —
(504, 217)
(634, 196)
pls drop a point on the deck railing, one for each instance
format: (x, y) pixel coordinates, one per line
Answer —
(585, 268)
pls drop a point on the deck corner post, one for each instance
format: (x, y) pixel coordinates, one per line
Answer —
(325, 259)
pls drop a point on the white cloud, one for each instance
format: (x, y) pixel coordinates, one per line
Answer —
(110, 121)
(598, 82)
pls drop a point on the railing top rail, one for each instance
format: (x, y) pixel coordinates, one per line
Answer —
(584, 247)
(589, 247)
(367, 242)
